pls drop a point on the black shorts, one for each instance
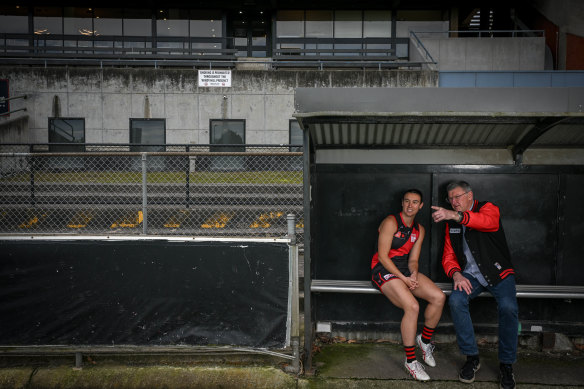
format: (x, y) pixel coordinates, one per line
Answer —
(380, 275)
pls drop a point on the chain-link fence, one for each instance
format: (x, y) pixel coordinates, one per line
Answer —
(203, 190)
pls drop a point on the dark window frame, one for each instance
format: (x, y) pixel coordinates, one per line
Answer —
(145, 146)
(243, 121)
(65, 146)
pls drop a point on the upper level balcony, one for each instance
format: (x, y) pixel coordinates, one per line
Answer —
(205, 52)
(517, 51)
(268, 38)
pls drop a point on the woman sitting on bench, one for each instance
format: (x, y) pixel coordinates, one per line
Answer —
(394, 270)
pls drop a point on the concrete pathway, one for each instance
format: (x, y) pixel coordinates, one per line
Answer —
(381, 365)
(336, 366)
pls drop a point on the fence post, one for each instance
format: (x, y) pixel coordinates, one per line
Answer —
(295, 312)
(78, 361)
(188, 177)
(32, 171)
(291, 219)
(144, 196)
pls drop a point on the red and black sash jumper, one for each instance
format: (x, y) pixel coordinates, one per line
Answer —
(402, 243)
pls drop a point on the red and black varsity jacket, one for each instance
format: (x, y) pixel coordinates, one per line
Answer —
(486, 241)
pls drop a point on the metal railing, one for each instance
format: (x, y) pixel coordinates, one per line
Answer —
(104, 45)
(423, 48)
(103, 50)
(481, 33)
(129, 189)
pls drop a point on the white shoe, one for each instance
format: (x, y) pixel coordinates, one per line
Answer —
(427, 350)
(416, 370)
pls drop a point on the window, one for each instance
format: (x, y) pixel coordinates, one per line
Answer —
(13, 19)
(290, 24)
(79, 22)
(296, 135)
(377, 24)
(172, 23)
(206, 24)
(137, 23)
(67, 133)
(348, 24)
(147, 132)
(48, 22)
(227, 132)
(319, 24)
(108, 22)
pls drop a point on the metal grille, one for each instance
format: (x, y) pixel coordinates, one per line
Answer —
(126, 189)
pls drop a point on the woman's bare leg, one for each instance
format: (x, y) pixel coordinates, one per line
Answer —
(398, 293)
(427, 290)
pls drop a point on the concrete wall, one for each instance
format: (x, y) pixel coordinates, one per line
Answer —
(568, 40)
(568, 14)
(14, 130)
(483, 54)
(108, 98)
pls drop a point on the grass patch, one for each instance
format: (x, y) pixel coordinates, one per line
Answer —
(238, 177)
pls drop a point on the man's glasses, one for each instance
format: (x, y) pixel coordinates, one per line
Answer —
(451, 199)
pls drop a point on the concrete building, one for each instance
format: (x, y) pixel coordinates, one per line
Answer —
(226, 72)
(132, 74)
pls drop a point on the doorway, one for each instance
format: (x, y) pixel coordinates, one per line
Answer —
(250, 30)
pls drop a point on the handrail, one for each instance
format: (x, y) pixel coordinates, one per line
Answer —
(208, 61)
(168, 145)
(420, 44)
(156, 154)
(147, 51)
(512, 33)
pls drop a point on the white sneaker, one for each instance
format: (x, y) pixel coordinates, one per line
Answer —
(427, 350)
(416, 370)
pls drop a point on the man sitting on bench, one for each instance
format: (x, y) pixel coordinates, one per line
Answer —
(477, 258)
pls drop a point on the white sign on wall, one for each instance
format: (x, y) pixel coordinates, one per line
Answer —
(215, 78)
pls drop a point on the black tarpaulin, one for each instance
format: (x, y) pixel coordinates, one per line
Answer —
(92, 292)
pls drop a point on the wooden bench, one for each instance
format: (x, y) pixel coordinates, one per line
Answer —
(523, 291)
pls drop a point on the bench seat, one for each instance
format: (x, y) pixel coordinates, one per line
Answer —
(523, 291)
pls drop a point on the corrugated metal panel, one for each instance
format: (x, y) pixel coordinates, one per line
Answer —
(345, 133)
(511, 120)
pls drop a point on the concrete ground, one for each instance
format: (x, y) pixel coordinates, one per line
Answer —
(380, 365)
(336, 365)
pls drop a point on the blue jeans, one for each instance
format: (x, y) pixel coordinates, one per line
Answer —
(505, 295)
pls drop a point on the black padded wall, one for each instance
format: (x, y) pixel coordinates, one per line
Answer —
(541, 211)
(152, 292)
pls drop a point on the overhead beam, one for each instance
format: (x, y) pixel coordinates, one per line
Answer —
(543, 126)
